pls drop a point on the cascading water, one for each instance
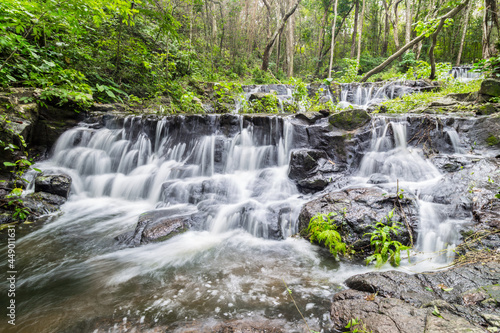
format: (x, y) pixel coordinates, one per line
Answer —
(371, 93)
(406, 167)
(229, 179)
(464, 73)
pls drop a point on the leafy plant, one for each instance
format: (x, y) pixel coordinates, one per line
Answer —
(385, 248)
(356, 325)
(490, 67)
(323, 229)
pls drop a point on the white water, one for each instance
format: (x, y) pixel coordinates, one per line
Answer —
(464, 74)
(365, 95)
(229, 266)
(407, 168)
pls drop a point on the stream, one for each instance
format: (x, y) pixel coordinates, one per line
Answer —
(231, 182)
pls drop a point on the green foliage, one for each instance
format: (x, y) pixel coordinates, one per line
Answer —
(490, 67)
(408, 61)
(385, 248)
(422, 69)
(410, 102)
(356, 325)
(323, 229)
(267, 104)
(189, 103)
(349, 72)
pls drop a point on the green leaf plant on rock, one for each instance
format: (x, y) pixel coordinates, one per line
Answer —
(385, 248)
(323, 229)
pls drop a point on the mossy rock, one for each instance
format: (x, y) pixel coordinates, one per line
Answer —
(486, 109)
(493, 140)
(490, 87)
(349, 119)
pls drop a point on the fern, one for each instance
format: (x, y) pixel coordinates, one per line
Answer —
(385, 248)
(322, 229)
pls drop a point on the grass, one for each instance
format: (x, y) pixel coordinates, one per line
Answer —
(410, 102)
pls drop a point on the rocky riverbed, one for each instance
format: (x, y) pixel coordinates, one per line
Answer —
(351, 163)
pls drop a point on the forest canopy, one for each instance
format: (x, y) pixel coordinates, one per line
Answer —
(118, 49)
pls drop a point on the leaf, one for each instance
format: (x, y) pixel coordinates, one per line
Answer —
(429, 289)
(9, 164)
(436, 312)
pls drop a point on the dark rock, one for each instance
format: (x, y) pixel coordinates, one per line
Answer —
(260, 96)
(54, 184)
(490, 87)
(312, 169)
(349, 119)
(156, 226)
(312, 117)
(389, 301)
(357, 210)
(378, 178)
(486, 109)
(461, 97)
(41, 203)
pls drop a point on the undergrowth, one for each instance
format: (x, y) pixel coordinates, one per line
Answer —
(410, 102)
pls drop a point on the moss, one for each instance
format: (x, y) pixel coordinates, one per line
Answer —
(350, 119)
(492, 140)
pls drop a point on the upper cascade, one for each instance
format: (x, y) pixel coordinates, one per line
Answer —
(232, 176)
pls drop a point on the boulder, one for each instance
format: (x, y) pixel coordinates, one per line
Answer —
(156, 226)
(350, 119)
(461, 299)
(358, 209)
(312, 117)
(490, 87)
(54, 184)
(312, 170)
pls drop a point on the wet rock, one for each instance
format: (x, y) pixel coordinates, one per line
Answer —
(378, 178)
(490, 87)
(156, 226)
(349, 119)
(487, 109)
(398, 302)
(41, 203)
(312, 117)
(357, 210)
(312, 169)
(54, 184)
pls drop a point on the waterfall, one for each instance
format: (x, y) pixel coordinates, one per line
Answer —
(390, 155)
(167, 167)
(464, 73)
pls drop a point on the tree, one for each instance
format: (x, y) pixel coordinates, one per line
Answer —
(464, 33)
(426, 33)
(332, 46)
(279, 28)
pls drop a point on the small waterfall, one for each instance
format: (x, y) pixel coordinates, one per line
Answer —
(464, 73)
(391, 156)
(367, 94)
(241, 177)
(455, 141)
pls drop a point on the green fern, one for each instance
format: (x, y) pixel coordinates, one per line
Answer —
(385, 248)
(323, 229)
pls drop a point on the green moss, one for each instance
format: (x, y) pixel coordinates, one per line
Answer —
(492, 140)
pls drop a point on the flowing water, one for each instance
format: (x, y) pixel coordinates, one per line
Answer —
(231, 181)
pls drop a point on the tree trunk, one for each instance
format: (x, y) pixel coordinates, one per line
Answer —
(408, 21)
(332, 45)
(417, 39)
(279, 28)
(360, 33)
(324, 20)
(395, 23)
(386, 27)
(464, 34)
(325, 52)
(355, 32)
(290, 47)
